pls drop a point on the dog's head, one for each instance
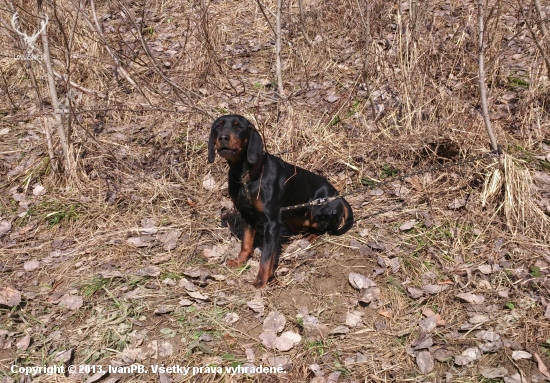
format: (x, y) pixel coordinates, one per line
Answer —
(234, 138)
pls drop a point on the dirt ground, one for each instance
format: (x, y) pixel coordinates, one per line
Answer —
(118, 263)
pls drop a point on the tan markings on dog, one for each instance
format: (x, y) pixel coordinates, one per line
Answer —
(298, 223)
(265, 272)
(258, 205)
(234, 143)
(345, 218)
(247, 247)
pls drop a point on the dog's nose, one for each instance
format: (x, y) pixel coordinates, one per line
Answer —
(224, 137)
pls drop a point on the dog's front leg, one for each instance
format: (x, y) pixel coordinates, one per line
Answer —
(270, 252)
(247, 245)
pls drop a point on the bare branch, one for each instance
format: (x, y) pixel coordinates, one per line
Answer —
(278, 65)
(175, 87)
(302, 22)
(482, 91)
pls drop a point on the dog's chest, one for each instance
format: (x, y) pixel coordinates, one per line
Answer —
(246, 202)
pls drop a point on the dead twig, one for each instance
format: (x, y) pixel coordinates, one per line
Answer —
(302, 22)
(175, 87)
(63, 139)
(542, 28)
(482, 90)
(278, 65)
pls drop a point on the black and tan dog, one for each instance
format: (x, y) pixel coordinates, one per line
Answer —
(261, 184)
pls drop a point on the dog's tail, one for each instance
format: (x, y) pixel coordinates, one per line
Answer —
(347, 220)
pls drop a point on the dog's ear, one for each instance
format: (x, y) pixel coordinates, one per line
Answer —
(211, 149)
(255, 146)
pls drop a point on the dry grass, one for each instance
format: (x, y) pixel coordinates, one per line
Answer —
(139, 139)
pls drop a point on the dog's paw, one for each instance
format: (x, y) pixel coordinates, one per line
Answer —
(259, 283)
(312, 238)
(233, 263)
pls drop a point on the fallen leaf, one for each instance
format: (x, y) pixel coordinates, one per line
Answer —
(148, 271)
(515, 378)
(423, 341)
(443, 355)
(333, 377)
(353, 320)
(9, 297)
(208, 182)
(31, 265)
(415, 293)
(109, 274)
(137, 242)
(472, 352)
(479, 318)
(231, 318)
(394, 264)
(274, 321)
(313, 330)
(360, 281)
(376, 192)
(250, 357)
(164, 377)
(517, 355)
(493, 372)
(96, 377)
(197, 295)
(38, 190)
(187, 285)
(23, 343)
(192, 273)
(165, 349)
(434, 289)
(407, 225)
(5, 227)
(316, 369)
(541, 366)
(385, 313)
(425, 362)
(462, 360)
(169, 239)
(471, 298)
(457, 203)
(332, 98)
(287, 340)
(428, 324)
(257, 304)
(268, 339)
(64, 356)
(163, 309)
(339, 330)
(150, 225)
(485, 269)
(185, 302)
(72, 302)
(490, 336)
(370, 294)
(213, 254)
